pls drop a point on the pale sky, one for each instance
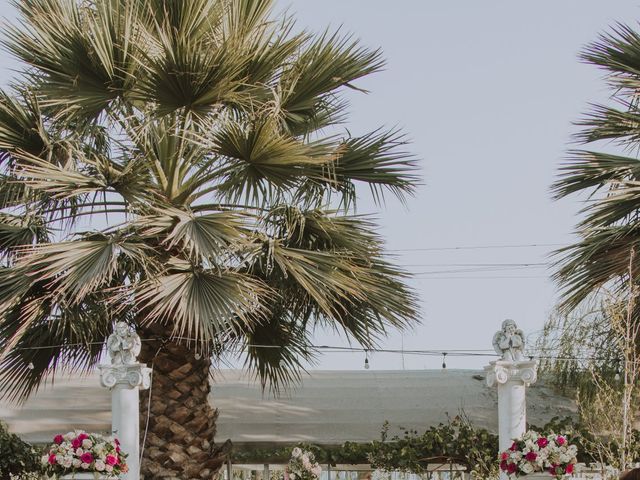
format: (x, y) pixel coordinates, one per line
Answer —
(487, 91)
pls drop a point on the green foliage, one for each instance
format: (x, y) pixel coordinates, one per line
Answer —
(195, 133)
(18, 457)
(457, 441)
(454, 442)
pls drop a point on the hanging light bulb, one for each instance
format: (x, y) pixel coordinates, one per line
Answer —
(444, 360)
(31, 366)
(366, 360)
(197, 355)
(616, 377)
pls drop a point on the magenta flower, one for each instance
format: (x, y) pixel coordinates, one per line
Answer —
(531, 456)
(542, 442)
(52, 459)
(111, 460)
(76, 443)
(58, 439)
(560, 440)
(86, 457)
(82, 436)
(511, 468)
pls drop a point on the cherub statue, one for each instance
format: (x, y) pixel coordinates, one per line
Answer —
(123, 345)
(509, 341)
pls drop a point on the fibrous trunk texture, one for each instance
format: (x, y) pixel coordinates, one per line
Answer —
(181, 421)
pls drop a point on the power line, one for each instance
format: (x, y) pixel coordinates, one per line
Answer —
(477, 247)
(341, 349)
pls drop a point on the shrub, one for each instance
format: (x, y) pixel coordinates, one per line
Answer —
(18, 457)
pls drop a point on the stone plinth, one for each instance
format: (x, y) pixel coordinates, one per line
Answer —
(512, 378)
(125, 382)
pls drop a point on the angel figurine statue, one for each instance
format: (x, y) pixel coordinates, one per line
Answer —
(123, 345)
(509, 341)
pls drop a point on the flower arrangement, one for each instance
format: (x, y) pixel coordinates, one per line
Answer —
(302, 466)
(539, 453)
(82, 452)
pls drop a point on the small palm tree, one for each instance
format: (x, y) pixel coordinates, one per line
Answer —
(181, 166)
(609, 233)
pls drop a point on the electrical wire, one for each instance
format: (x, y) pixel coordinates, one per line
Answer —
(341, 349)
(477, 247)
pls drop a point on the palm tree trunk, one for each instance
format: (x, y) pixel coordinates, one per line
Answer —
(181, 421)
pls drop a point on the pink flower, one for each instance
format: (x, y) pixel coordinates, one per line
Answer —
(531, 456)
(52, 459)
(504, 456)
(542, 442)
(569, 468)
(76, 443)
(560, 440)
(111, 460)
(86, 457)
(58, 439)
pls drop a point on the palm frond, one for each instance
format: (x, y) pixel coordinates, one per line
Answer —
(201, 304)
(376, 159)
(19, 231)
(84, 57)
(64, 339)
(609, 123)
(276, 352)
(261, 162)
(588, 171)
(76, 268)
(209, 236)
(326, 63)
(599, 260)
(617, 52)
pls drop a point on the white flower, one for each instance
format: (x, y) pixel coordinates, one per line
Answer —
(67, 462)
(79, 452)
(527, 468)
(86, 443)
(108, 468)
(84, 465)
(100, 465)
(77, 462)
(296, 452)
(44, 459)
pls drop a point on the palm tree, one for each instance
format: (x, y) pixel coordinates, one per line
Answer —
(183, 167)
(606, 253)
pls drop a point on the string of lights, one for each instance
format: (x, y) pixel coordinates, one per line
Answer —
(534, 353)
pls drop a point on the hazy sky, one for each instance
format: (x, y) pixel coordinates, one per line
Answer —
(487, 91)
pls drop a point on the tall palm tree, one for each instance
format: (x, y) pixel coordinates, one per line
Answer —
(183, 166)
(608, 248)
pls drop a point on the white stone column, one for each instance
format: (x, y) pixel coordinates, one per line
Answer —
(512, 378)
(125, 378)
(125, 382)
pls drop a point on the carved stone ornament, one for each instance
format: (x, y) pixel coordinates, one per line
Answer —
(127, 376)
(501, 372)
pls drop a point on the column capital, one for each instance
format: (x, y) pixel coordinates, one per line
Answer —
(131, 375)
(501, 372)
